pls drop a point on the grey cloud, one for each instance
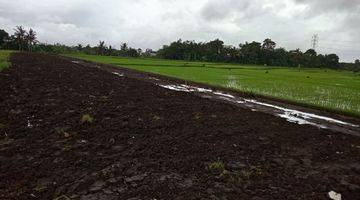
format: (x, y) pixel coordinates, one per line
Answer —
(152, 23)
(319, 6)
(219, 10)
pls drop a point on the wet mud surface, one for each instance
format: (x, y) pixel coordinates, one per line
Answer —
(70, 130)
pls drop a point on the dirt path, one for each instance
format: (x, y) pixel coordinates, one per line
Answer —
(148, 142)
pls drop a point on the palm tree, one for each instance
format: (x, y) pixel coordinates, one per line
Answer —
(31, 39)
(20, 35)
(101, 47)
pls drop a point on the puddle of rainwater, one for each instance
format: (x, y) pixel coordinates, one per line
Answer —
(29, 125)
(118, 74)
(299, 114)
(293, 116)
(225, 95)
(153, 78)
(185, 88)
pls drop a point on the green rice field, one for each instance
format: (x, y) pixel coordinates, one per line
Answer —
(4, 56)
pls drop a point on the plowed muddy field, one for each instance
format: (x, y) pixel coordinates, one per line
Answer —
(79, 131)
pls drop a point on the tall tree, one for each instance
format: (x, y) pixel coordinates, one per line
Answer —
(268, 48)
(311, 52)
(296, 57)
(3, 37)
(268, 44)
(357, 62)
(79, 47)
(215, 50)
(101, 48)
(20, 35)
(124, 47)
(30, 38)
(310, 58)
(250, 52)
(332, 60)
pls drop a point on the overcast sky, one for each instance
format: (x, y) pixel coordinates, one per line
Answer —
(152, 23)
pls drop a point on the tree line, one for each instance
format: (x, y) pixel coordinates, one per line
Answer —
(256, 53)
(265, 53)
(21, 40)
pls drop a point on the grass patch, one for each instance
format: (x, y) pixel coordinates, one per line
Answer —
(327, 89)
(87, 119)
(4, 59)
(217, 166)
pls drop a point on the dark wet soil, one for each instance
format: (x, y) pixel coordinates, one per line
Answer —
(69, 131)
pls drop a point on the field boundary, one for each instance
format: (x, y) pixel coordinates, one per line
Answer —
(269, 99)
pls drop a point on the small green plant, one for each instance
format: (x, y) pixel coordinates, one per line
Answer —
(104, 98)
(87, 119)
(253, 174)
(217, 166)
(67, 147)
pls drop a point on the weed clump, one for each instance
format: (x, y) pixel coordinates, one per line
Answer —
(87, 118)
(217, 166)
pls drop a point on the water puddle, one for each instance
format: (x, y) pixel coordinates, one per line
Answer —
(118, 74)
(185, 88)
(153, 78)
(299, 116)
(29, 125)
(291, 115)
(334, 196)
(224, 95)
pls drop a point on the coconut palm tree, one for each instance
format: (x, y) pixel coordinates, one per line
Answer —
(31, 39)
(20, 35)
(101, 48)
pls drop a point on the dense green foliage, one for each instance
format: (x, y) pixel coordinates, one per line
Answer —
(21, 40)
(324, 88)
(4, 57)
(257, 53)
(264, 53)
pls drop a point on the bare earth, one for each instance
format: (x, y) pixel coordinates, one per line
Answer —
(148, 142)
